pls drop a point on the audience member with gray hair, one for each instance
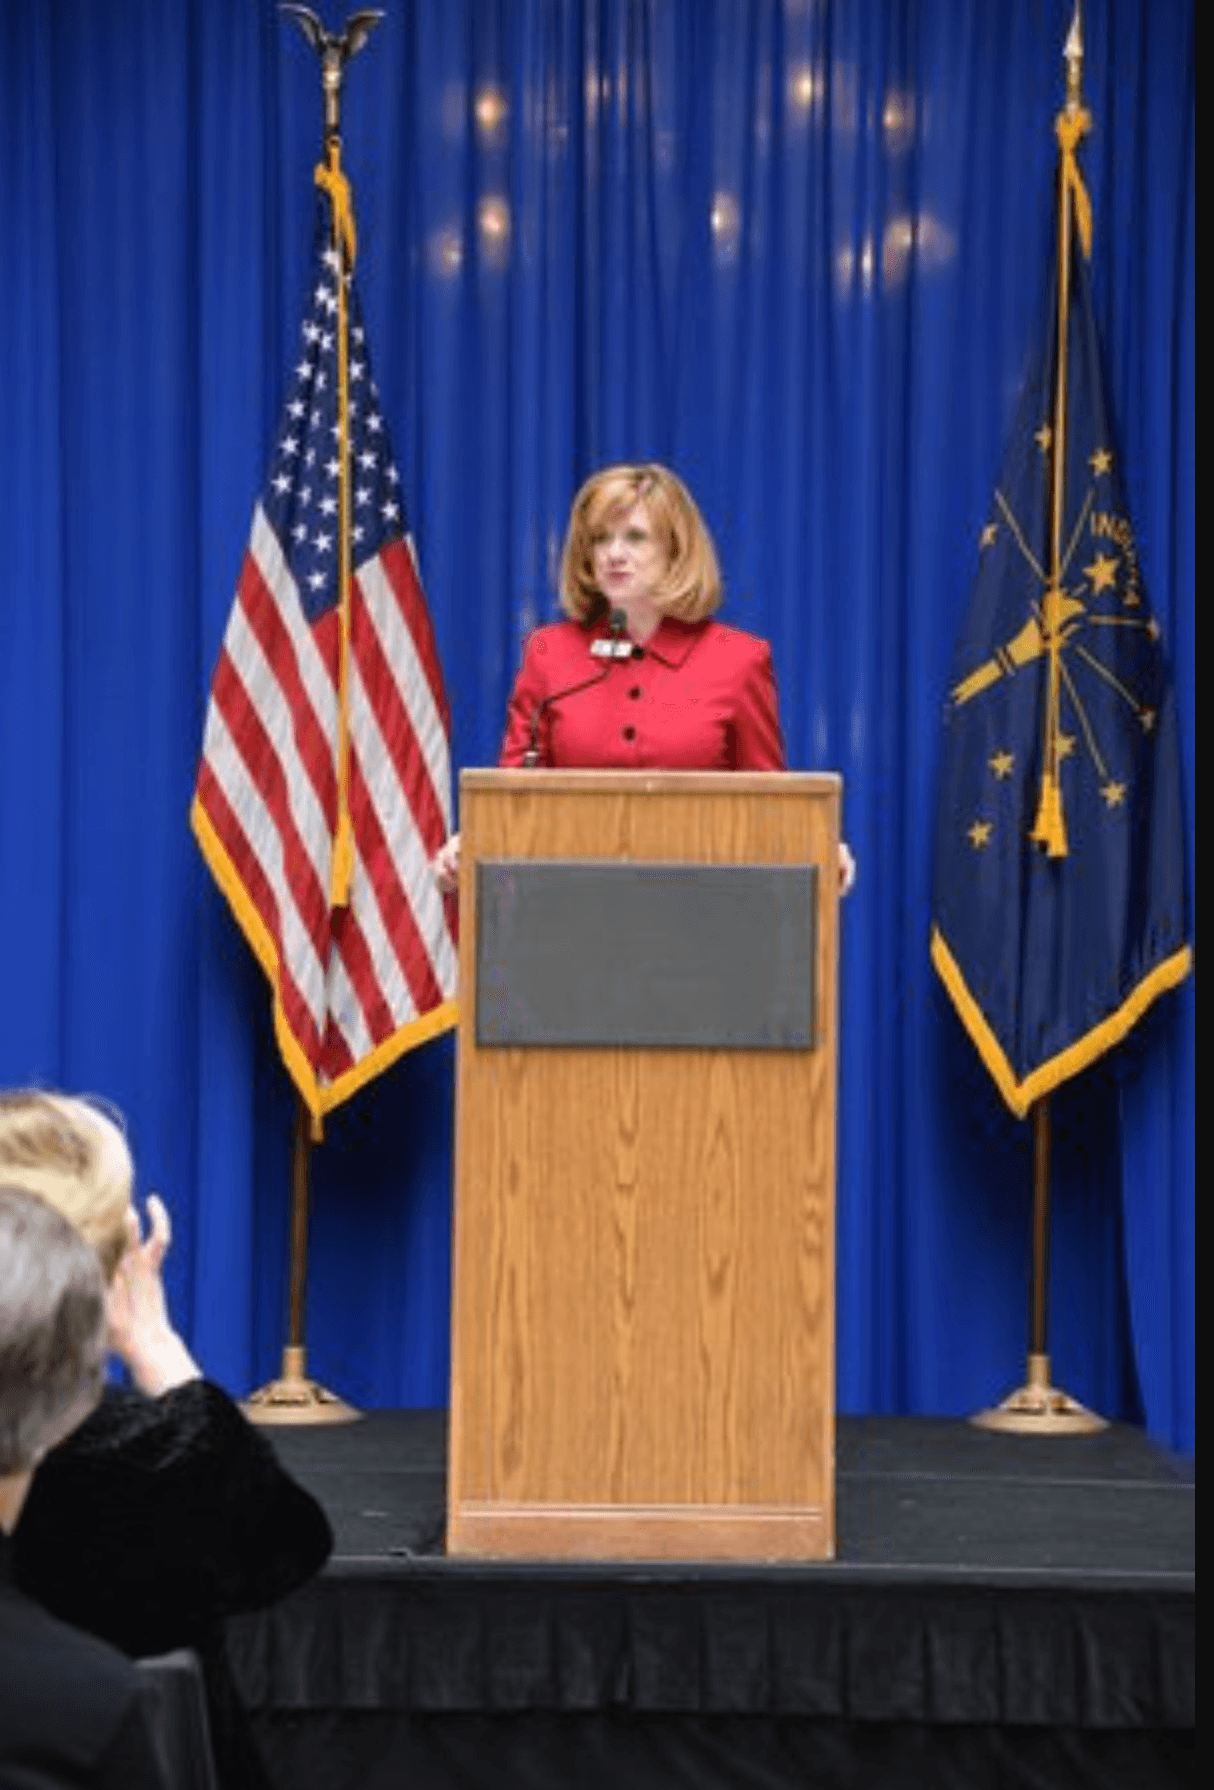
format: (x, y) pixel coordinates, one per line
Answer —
(70, 1705)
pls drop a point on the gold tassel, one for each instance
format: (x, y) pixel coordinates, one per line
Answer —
(343, 861)
(1049, 829)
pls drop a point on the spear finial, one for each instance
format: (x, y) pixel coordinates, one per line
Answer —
(335, 49)
(1073, 55)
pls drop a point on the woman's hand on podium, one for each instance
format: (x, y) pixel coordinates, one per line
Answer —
(847, 867)
(445, 866)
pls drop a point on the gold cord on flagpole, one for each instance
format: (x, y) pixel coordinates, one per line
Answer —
(332, 180)
(335, 49)
(1071, 125)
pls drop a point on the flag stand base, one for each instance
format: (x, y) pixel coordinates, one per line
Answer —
(295, 1399)
(1039, 1409)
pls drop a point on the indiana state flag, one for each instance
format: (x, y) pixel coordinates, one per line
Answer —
(1058, 911)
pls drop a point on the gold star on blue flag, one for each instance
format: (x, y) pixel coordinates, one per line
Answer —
(1059, 903)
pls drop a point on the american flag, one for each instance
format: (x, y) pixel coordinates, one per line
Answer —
(288, 740)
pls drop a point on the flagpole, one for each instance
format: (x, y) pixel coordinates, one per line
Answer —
(293, 1397)
(1038, 1407)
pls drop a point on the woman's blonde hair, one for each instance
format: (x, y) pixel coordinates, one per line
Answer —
(691, 588)
(73, 1154)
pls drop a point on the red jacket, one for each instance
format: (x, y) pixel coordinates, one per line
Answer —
(698, 696)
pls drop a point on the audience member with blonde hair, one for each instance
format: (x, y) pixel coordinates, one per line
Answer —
(165, 1511)
(74, 1154)
(70, 1705)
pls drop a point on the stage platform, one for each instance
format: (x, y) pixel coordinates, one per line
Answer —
(1002, 1611)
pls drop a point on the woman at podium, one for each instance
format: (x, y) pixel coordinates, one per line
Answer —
(638, 675)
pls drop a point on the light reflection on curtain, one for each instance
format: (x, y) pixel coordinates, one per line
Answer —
(797, 250)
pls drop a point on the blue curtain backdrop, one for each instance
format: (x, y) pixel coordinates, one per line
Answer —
(795, 248)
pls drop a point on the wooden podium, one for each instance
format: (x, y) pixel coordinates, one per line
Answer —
(643, 1294)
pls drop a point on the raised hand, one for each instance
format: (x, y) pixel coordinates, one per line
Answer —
(141, 1330)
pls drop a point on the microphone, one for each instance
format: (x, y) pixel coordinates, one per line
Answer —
(615, 646)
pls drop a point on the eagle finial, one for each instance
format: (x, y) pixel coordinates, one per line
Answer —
(335, 49)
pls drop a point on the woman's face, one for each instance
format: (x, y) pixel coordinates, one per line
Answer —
(630, 560)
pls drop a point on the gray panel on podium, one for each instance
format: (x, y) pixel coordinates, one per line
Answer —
(657, 955)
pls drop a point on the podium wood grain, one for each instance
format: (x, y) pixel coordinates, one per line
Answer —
(643, 1297)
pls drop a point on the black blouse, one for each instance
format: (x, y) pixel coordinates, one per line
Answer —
(158, 1518)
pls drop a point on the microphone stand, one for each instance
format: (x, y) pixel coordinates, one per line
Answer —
(611, 650)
